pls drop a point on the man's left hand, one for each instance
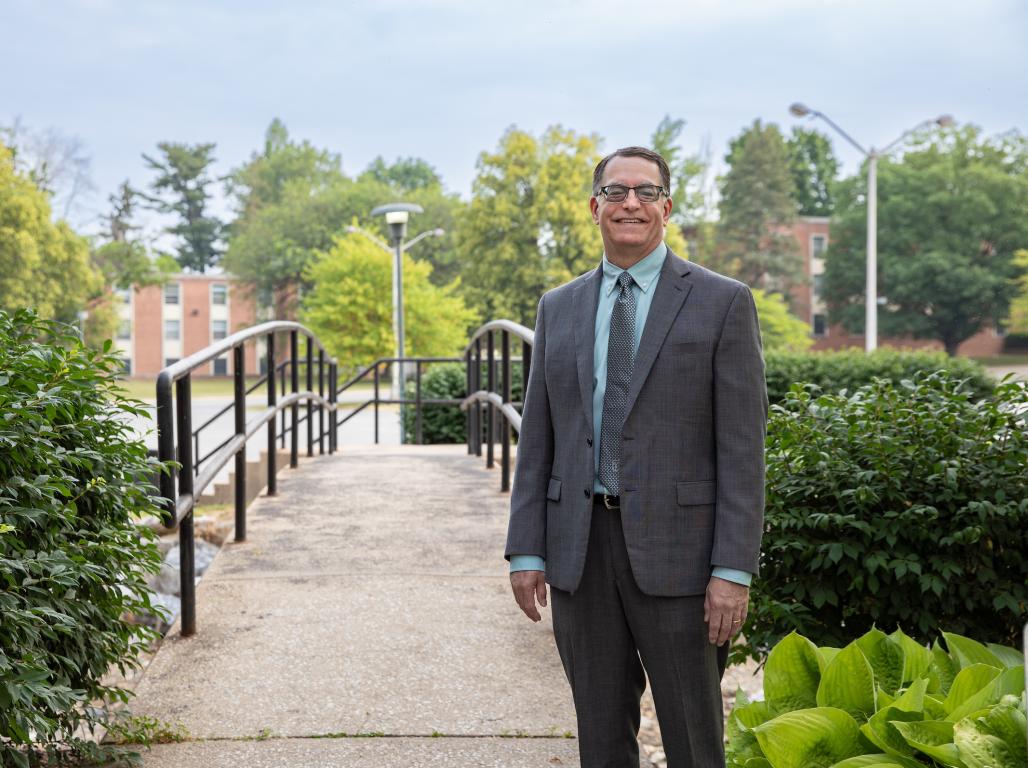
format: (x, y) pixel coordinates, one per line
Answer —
(724, 609)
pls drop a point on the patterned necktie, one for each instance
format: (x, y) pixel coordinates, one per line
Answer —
(620, 362)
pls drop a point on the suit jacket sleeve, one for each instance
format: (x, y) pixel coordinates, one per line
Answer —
(526, 532)
(740, 424)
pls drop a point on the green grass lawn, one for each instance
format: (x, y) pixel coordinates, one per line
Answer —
(1002, 360)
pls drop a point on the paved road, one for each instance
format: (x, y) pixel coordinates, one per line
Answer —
(371, 599)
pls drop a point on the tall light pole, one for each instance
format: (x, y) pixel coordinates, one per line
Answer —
(872, 155)
(397, 215)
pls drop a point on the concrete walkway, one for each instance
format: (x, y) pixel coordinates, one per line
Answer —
(367, 621)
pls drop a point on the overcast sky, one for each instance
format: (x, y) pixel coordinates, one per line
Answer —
(442, 79)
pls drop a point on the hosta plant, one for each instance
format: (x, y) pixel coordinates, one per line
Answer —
(884, 700)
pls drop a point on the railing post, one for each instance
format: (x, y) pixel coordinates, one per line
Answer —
(294, 374)
(333, 398)
(166, 447)
(187, 560)
(239, 380)
(272, 401)
(196, 451)
(417, 402)
(310, 402)
(376, 402)
(467, 393)
(321, 403)
(478, 386)
(282, 389)
(490, 409)
(504, 423)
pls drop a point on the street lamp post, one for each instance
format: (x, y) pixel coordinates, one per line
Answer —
(872, 155)
(397, 215)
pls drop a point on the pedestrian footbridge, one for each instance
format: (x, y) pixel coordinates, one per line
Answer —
(362, 616)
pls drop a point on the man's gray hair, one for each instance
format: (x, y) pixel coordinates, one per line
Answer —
(643, 152)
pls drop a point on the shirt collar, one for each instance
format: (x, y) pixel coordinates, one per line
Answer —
(644, 271)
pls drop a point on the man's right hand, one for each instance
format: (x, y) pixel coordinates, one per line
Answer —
(528, 587)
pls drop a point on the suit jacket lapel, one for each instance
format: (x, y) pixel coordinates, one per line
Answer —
(586, 298)
(671, 292)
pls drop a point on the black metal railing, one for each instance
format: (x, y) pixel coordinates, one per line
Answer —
(176, 439)
(485, 405)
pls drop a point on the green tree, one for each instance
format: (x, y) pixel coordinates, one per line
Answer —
(43, 264)
(349, 305)
(263, 179)
(294, 200)
(950, 218)
(814, 169)
(407, 174)
(757, 206)
(528, 226)
(123, 261)
(1017, 320)
(688, 173)
(779, 329)
(182, 189)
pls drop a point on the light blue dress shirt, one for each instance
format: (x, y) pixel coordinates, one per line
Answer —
(645, 273)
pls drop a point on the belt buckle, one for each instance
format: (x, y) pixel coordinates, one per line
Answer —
(608, 505)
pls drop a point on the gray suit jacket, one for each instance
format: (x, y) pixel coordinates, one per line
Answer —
(692, 457)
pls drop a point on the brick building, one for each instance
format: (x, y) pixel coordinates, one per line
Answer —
(812, 234)
(162, 324)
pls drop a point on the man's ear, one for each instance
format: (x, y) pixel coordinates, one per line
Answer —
(594, 206)
(668, 205)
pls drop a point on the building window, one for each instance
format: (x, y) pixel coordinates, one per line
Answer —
(221, 366)
(817, 246)
(125, 330)
(126, 366)
(819, 286)
(170, 361)
(820, 325)
(219, 329)
(171, 293)
(171, 330)
(125, 294)
(219, 294)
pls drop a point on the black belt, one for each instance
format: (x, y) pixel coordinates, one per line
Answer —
(610, 502)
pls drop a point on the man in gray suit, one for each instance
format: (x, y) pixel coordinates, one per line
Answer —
(639, 488)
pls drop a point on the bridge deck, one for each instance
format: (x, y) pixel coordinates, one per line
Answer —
(371, 599)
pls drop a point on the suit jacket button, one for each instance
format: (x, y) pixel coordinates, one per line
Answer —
(587, 493)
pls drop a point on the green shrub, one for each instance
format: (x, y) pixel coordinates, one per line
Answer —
(883, 700)
(896, 505)
(447, 423)
(852, 368)
(72, 563)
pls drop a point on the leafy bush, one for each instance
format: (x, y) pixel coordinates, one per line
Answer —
(72, 563)
(852, 368)
(883, 700)
(895, 505)
(446, 423)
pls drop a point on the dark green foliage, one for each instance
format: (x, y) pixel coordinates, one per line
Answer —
(814, 169)
(447, 423)
(898, 505)
(182, 190)
(852, 368)
(72, 563)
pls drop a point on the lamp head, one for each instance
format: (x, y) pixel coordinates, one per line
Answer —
(396, 216)
(798, 109)
(945, 121)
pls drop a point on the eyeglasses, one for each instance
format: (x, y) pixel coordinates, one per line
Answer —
(618, 193)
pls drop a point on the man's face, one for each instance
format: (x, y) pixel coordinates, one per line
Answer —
(631, 228)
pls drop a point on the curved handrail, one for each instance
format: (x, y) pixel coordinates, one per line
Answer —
(175, 434)
(525, 334)
(177, 370)
(506, 409)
